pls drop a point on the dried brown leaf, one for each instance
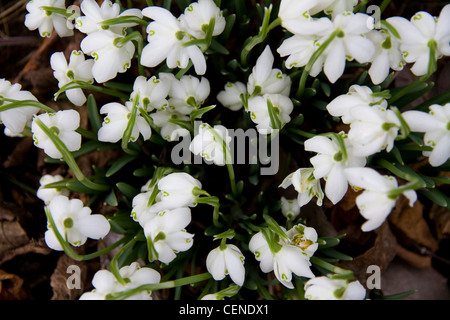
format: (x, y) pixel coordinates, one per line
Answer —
(11, 287)
(64, 281)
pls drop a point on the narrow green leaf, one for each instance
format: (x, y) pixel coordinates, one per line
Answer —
(128, 191)
(436, 196)
(197, 113)
(119, 164)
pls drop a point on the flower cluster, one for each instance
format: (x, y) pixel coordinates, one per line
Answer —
(168, 78)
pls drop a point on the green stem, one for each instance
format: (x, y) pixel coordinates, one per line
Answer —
(64, 12)
(160, 286)
(313, 59)
(130, 126)
(68, 248)
(84, 85)
(338, 272)
(23, 103)
(69, 159)
(114, 264)
(124, 19)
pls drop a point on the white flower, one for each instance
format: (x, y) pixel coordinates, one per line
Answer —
(421, 31)
(104, 282)
(330, 162)
(166, 41)
(169, 130)
(357, 96)
(74, 222)
(176, 190)
(141, 211)
(63, 124)
(305, 238)
(231, 96)
(94, 15)
(289, 259)
(299, 49)
(324, 288)
(228, 261)
(209, 143)
(374, 128)
(436, 125)
(186, 94)
(78, 69)
(293, 13)
(47, 194)
(168, 234)
(266, 80)
(387, 55)
(151, 93)
(116, 121)
(305, 184)
(15, 119)
(377, 200)
(45, 21)
(199, 14)
(110, 57)
(290, 208)
(258, 107)
(348, 44)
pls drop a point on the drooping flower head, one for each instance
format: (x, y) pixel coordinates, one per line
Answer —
(436, 126)
(325, 288)
(45, 21)
(74, 222)
(78, 69)
(47, 194)
(105, 283)
(63, 124)
(229, 260)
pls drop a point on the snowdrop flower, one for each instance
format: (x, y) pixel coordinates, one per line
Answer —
(305, 184)
(324, 288)
(379, 197)
(188, 93)
(258, 107)
(78, 69)
(265, 80)
(47, 194)
(357, 96)
(349, 42)
(151, 93)
(305, 238)
(387, 55)
(167, 233)
(436, 125)
(74, 222)
(169, 130)
(141, 212)
(331, 160)
(63, 124)
(166, 41)
(294, 13)
(209, 143)
(231, 96)
(15, 119)
(299, 50)
(176, 190)
(116, 121)
(45, 21)
(104, 282)
(94, 15)
(226, 261)
(373, 129)
(110, 57)
(287, 260)
(421, 32)
(198, 16)
(290, 208)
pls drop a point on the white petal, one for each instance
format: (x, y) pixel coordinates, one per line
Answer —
(94, 226)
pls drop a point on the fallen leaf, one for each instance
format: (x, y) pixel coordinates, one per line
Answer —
(68, 279)
(441, 218)
(410, 226)
(11, 287)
